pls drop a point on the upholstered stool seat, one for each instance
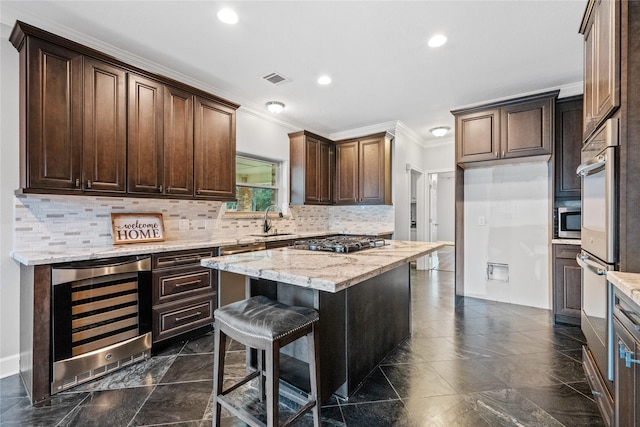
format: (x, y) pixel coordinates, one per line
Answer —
(267, 326)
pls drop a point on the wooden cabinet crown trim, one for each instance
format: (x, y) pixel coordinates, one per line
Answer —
(506, 102)
(310, 134)
(21, 30)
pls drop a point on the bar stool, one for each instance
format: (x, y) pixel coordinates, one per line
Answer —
(267, 326)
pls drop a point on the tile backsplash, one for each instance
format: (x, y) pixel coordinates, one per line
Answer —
(58, 222)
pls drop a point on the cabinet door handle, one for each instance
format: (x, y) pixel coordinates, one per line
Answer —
(196, 314)
(77, 182)
(192, 282)
(497, 154)
(503, 153)
(160, 188)
(88, 183)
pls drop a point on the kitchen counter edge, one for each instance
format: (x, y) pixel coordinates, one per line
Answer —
(628, 283)
(31, 258)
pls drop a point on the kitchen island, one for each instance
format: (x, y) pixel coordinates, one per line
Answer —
(363, 298)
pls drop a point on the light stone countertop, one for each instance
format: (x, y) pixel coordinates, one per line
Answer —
(324, 271)
(31, 258)
(558, 241)
(628, 283)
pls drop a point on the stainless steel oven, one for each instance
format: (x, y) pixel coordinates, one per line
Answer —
(598, 171)
(599, 243)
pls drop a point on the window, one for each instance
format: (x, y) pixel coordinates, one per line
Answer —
(256, 185)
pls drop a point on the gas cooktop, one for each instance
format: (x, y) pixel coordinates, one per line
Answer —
(339, 244)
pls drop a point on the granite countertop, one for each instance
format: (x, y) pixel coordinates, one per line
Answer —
(628, 283)
(324, 271)
(84, 254)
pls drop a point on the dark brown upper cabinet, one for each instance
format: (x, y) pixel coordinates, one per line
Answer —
(363, 170)
(75, 121)
(145, 151)
(312, 164)
(92, 124)
(600, 26)
(178, 142)
(214, 150)
(568, 143)
(505, 131)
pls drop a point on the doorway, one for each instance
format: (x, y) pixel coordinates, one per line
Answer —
(441, 211)
(417, 211)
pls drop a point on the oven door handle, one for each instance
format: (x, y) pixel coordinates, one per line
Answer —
(592, 165)
(584, 262)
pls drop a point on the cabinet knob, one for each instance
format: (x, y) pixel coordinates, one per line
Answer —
(77, 182)
(160, 188)
(88, 183)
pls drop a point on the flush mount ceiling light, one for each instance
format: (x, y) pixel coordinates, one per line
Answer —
(324, 80)
(227, 16)
(275, 106)
(440, 131)
(437, 40)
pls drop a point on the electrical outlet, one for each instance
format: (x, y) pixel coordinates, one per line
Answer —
(482, 220)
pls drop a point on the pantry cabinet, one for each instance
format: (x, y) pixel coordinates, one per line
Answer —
(312, 165)
(363, 170)
(91, 124)
(503, 131)
(568, 144)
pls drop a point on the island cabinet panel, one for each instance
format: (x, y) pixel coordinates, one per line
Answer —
(178, 141)
(506, 131)
(53, 119)
(91, 124)
(567, 284)
(568, 143)
(601, 30)
(184, 293)
(626, 363)
(358, 328)
(145, 151)
(312, 164)
(363, 170)
(214, 150)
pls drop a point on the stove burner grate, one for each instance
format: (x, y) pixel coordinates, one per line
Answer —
(339, 244)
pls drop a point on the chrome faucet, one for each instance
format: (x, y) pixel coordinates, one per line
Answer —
(267, 222)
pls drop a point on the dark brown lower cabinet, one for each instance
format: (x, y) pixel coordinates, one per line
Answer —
(184, 293)
(567, 284)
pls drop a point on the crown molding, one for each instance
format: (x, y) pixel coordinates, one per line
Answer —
(365, 130)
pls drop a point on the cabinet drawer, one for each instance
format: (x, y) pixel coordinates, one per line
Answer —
(181, 283)
(566, 251)
(170, 320)
(173, 259)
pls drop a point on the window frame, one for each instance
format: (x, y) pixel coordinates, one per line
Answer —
(278, 187)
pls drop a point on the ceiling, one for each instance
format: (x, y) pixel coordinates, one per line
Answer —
(375, 51)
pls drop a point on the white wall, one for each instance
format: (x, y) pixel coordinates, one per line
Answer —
(513, 202)
(9, 181)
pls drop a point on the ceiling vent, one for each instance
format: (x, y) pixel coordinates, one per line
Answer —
(276, 78)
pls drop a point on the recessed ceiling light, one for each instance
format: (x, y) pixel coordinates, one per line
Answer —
(437, 40)
(275, 106)
(324, 80)
(227, 16)
(440, 131)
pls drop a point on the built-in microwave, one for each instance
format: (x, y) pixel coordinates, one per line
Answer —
(569, 222)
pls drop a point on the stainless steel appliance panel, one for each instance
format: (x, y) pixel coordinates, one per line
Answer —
(598, 169)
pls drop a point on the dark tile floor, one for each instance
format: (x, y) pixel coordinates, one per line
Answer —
(480, 364)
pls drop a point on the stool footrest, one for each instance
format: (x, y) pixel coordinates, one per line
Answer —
(310, 404)
(244, 415)
(242, 382)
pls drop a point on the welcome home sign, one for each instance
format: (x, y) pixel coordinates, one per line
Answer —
(137, 227)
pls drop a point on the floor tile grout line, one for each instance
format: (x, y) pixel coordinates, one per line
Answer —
(142, 405)
(74, 408)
